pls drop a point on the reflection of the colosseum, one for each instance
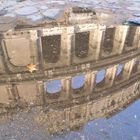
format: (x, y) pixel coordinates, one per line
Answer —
(89, 84)
(59, 54)
(60, 118)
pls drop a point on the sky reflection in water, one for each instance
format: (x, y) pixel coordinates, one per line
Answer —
(77, 81)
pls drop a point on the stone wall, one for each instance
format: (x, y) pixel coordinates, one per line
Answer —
(22, 49)
(74, 117)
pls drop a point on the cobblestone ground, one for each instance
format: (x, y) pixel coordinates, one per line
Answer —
(36, 11)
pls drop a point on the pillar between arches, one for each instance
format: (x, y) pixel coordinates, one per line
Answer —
(110, 75)
(66, 86)
(119, 39)
(40, 93)
(90, 82)
(128, 67)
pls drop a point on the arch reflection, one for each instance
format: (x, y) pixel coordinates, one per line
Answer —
(100, 76)
(78, 81)
(52, 87)
(119, 69)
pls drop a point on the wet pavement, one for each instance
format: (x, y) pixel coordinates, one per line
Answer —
(124, 125)
(34, 12)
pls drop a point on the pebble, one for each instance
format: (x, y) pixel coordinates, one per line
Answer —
(137, 15)
(135, 21)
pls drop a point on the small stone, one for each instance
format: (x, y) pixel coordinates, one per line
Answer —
(137, 15)
(135, 21)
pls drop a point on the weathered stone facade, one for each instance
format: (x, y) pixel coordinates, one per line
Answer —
(22, 47)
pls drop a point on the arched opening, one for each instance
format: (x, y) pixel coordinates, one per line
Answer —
(81, 44)
(119, 71)
(130, 36)
(109, 40)
(51, 48)
(78, 82)
(53, 88)
(100, 76)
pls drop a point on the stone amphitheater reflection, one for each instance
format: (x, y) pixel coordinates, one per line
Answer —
(58, 55)
(112, 51)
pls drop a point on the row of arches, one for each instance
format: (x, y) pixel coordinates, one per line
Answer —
(51, 45)
(55, 86)
(65, 47)
(78, 81)
(82, 84)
